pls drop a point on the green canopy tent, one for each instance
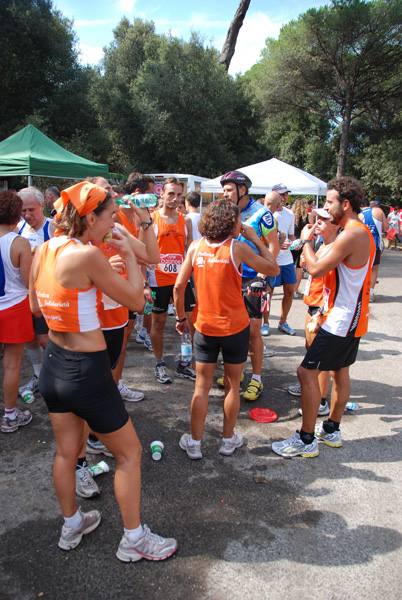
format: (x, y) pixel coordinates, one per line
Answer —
(30, 152)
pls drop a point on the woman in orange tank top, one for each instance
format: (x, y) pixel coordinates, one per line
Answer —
(76, 380)
(220, 317)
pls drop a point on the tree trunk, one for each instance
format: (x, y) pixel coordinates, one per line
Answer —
(231, 38)
(345, 136)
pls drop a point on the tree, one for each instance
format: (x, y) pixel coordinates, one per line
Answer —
(168, 105)
(37, 58)
(339, 62)
(230, 43)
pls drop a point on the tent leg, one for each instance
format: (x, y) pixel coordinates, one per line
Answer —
(30, 181)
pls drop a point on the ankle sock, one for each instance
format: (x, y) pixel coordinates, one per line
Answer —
(75, 521)
(256, 377)
(160, 362)
(306, 438)
(330, 426)
(10, 413)
(323, 401)
(134, 534)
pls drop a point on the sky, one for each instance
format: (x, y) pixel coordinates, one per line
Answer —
(94, 21)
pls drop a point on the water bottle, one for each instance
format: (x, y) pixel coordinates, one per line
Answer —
(186, 348)
(149, 305)
(140, 200)
(353, 406)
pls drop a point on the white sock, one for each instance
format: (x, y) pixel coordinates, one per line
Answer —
(134, 534)
(143, 331)
(10, 413)
(194, 442)
(371, 291)
(75, 521)
(139, 321)
(256, 377)
(228, 439)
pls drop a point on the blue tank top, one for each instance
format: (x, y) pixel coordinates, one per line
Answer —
(369, 221)
(261, 220)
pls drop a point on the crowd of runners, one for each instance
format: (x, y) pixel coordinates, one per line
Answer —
(100, 269)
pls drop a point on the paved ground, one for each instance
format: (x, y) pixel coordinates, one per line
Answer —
(324, 527)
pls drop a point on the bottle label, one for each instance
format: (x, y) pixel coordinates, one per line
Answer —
(186, 350)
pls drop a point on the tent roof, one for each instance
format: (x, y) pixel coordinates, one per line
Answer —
(265, 175)
(31, 152)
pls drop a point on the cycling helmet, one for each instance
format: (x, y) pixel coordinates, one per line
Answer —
(238, 179)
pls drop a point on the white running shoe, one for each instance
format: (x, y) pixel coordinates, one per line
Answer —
(85, 486)
(32, 386)
(228, 447)
(294, 446)
(162, 375)
(148, 343)
(330, 439)
(150, 546)
(129, 395)
(193, 450)
(70, 538)
(323, 411)
(267, 352)
(170, 310)
(295, 390)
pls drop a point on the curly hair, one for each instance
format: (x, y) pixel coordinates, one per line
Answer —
(300, 209)
(218, 220)
(71, 224)
(348, 188)
(10, 208)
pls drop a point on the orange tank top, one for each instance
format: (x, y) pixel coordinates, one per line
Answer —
(65, 309)
(125, 221)
(111, 314)
(220, 309)
(320, 291)
(172, 246)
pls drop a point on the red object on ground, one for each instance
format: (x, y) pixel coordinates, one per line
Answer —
(263, 415)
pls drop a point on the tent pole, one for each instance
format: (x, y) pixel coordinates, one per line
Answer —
(30, 181)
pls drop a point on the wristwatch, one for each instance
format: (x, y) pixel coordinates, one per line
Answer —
(145, 225)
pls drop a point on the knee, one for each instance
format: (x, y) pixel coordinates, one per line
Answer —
(303, 375)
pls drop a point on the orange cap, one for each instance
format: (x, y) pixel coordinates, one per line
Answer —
(84, 196)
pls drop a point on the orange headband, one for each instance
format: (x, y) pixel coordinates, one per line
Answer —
(84, 196)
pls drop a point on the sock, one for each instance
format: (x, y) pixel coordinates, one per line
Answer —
(323, 401)
(134, 534)
(81, 462)
(371, 291)
(330, 426)
(256, 377)
(75, 521)
(10, 413)
(227, 439)
(35, 356)
(139, 321)
(93, 437)
(194, 442)
(160, 362)
(119, 385)
(143, 331)
(306, 438)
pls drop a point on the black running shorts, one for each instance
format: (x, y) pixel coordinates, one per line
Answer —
(330, 352)
(82, 383)
(234, 347)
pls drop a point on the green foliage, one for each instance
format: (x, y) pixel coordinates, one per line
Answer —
(338, 62)
(178, 110)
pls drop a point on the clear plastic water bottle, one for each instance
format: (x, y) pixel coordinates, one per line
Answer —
(140, 200)
(149, 305)
(186, 348)
(353, 406)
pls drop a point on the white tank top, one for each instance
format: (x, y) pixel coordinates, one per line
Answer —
(12, 288)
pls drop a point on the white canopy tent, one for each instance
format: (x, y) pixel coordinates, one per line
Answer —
(265, 175)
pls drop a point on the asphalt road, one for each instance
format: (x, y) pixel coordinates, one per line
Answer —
(328, 527)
